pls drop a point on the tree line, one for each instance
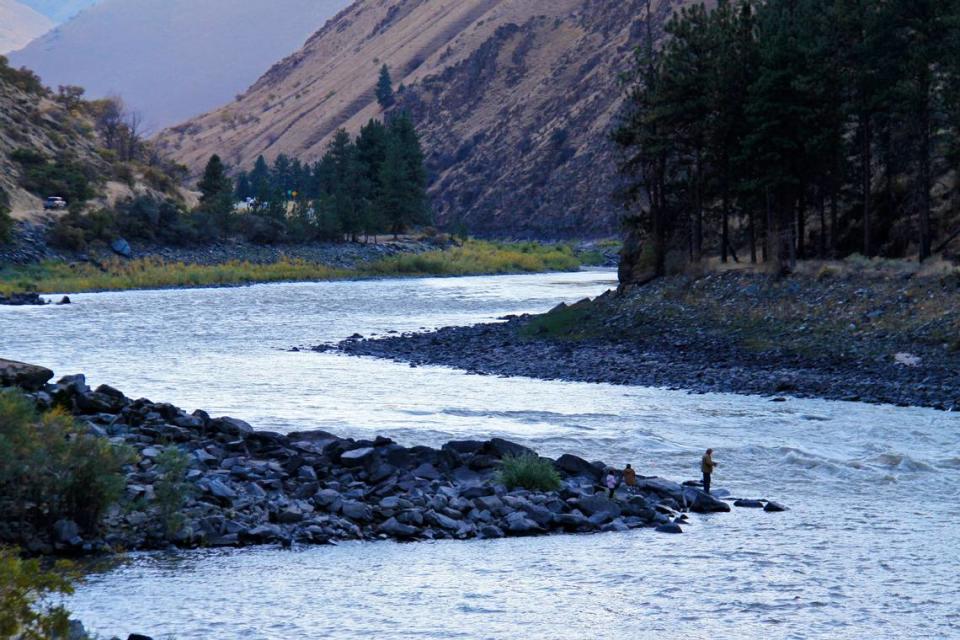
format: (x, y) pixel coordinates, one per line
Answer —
(793, 128)
(370, 185)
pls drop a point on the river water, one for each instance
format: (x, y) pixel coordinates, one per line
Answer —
(869, 548)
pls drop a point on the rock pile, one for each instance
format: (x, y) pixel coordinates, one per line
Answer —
(256, 487)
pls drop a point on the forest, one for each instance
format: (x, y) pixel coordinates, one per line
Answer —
(372, 185)
(790, 129)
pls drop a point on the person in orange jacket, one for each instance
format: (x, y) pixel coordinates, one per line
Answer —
(707, 465)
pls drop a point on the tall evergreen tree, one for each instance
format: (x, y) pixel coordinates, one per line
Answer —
(216, 188)
(384, 91)
(347, 204)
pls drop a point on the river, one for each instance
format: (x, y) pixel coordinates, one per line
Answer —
(869, 548)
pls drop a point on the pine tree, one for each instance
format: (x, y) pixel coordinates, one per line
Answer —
(347, 193)
(216, 190)
(260, 182)
(403, 178)
(384, 89)
(243, 189)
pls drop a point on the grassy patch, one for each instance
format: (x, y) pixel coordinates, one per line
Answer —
(528, 472)
(473, 258)
(564, 321)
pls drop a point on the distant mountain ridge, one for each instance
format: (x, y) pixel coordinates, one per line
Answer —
(59, 10)
(514, 100)
(172, 59)
(19, 24)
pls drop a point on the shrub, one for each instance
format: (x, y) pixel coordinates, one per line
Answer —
(51, 470)
(6, 222)
(24, 588)
(64, 177)
(173, 490)
(528, 472)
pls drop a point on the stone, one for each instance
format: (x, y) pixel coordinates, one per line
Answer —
(773, 507)
(28, 377)
(357, 511)
(463, 446)
(519, 525)
(444, 521)
(262, 533)
(599, 504)
(427, 471)
(121, 247)
(231, 426)
(490, 503)
(397, 529)
(307, 474)
(669, 527)
(499, 448)
(217, 488)
(576, 466)
(748, 504)
(67, 532)
(490, 531)
(138, 636)
(573, 521)
(358, 457)
(700, 501)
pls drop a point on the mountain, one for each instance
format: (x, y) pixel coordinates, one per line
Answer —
(59, 10)
(19, 24)
(172, 59)
(514, 100)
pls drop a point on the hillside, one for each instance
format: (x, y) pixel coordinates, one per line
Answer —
(53, 147)
(172, 59)
(514, 100)
(19, 24)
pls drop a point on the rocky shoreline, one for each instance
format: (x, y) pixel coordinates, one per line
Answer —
(671, 343)
(29, 246)
(253, 487)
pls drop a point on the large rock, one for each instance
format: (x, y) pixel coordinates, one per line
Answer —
(576, 466)
(702, 502)
(29, 377)
(231, 426)
(599, 504)
(397, 529)
(358, 457)
(519, 525)
(500, 448)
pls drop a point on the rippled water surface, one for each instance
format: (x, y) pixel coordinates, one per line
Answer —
(870, 547)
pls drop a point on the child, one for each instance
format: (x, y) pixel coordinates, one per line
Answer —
(611, 483)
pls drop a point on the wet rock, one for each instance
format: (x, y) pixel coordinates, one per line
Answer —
(700, 501)
(773, 507)
(358, 457)
(670, 527)
(749, 504)
(231, 426)
(67, 532)
(357, 511)
(490, 531)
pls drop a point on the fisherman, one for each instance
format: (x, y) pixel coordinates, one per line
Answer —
(707, 465)
(629, 478)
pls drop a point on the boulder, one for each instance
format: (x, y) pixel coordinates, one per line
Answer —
(397, 529)
(599, 504)
(29, 377)
(463, 446)
(121, 247)
(670, 527)
(357, 511)
(138, 636)
(746, 503)
(67, 532)
(358, 457)
(573, 521)
(217, 488)
(518, 524)
(499, 448)
(702, 502)
(773, 507)
(576, 466)
(490, 531)
(427, 471)
(231, 426)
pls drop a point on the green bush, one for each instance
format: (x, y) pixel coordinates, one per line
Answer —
(63, 177)
(51, 470)
(173, 490)
(6, 222)
(25, 613)
(528, 472)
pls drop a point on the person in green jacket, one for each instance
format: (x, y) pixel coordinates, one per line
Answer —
(707, 465)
